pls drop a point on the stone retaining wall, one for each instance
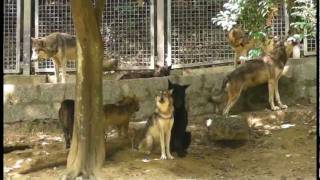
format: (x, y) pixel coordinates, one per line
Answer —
(25, 102)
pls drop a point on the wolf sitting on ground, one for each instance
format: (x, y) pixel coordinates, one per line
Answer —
(180, 139)
(159, 126)
(114, 115)
(267, 69)
(58, 46)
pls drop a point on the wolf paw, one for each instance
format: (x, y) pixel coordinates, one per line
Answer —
(163, 157)
(275, 108)
(283, 106)
(170, 157)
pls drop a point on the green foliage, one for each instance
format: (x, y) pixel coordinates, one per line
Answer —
(253, 53)
(251, 14)
(304, 19)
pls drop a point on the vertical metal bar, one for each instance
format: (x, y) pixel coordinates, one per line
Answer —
(36, 28)
(160, 32)
(26, 36)
(168, 58)
(286, 18)
(36, 18)
(18, 30)
(152, 33)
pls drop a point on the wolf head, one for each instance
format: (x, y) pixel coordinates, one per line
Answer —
(164, 101)
(43, 48)
(38, 49)
(131, 102)
(162, 71)
(178, 94)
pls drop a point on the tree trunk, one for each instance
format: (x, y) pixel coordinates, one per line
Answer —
(87, 152)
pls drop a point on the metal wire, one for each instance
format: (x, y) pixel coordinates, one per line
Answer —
(127, 32)
(11, 36)
(196, 41)
(53, 16)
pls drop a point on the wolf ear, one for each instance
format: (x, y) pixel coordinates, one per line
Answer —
(186, 86)
(171, 91)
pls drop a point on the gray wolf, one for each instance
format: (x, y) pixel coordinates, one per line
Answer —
(58, 46)
(180, 139)
(159, 126)
(158, 72)
(117, 115)
(241, 43)
(266, 69)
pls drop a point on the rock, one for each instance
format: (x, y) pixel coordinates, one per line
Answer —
(227, 128)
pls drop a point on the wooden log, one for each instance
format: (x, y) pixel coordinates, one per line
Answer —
(44, 161)
(14, 147)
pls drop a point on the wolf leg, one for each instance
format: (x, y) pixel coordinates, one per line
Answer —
(232, 99)
(162, 143)
(56, 71)
(282, 106)
(168, 137)
(64, 73)
(146, 144)
(271, 89)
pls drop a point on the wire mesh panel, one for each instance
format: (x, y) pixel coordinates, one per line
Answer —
(193, 40)
(309, 46)
(128, 29)
(52, 16)
(280, 24)
(11, 36)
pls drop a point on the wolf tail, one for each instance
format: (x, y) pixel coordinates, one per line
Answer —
(217, 98)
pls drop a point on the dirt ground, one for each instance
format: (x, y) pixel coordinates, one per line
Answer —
(273, 152)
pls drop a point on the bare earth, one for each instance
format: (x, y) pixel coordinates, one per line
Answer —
(271, 153)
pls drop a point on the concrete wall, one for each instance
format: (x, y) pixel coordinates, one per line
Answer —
(25, 101)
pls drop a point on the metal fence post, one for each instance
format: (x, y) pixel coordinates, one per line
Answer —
(168, 58)
(152, 33)
(160, 32)
(26, 36)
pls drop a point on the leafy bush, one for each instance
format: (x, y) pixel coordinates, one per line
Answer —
(304, 19)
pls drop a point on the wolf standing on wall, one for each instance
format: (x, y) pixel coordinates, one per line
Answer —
(58, 46)
(266, 69)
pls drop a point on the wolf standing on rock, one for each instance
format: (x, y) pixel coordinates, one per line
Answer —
(58, 46)
(267, 69)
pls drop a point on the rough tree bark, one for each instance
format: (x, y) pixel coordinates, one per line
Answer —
(87, 152)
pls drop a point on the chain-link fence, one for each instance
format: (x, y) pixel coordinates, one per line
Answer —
(52, 16)
(309, 46)
(128, 29)
(194, 40)
(11, 36)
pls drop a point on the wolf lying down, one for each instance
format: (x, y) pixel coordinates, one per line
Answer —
(267, 69)
(114, 115)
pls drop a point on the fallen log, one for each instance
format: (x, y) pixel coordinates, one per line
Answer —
(44, 161)
(15, 147)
